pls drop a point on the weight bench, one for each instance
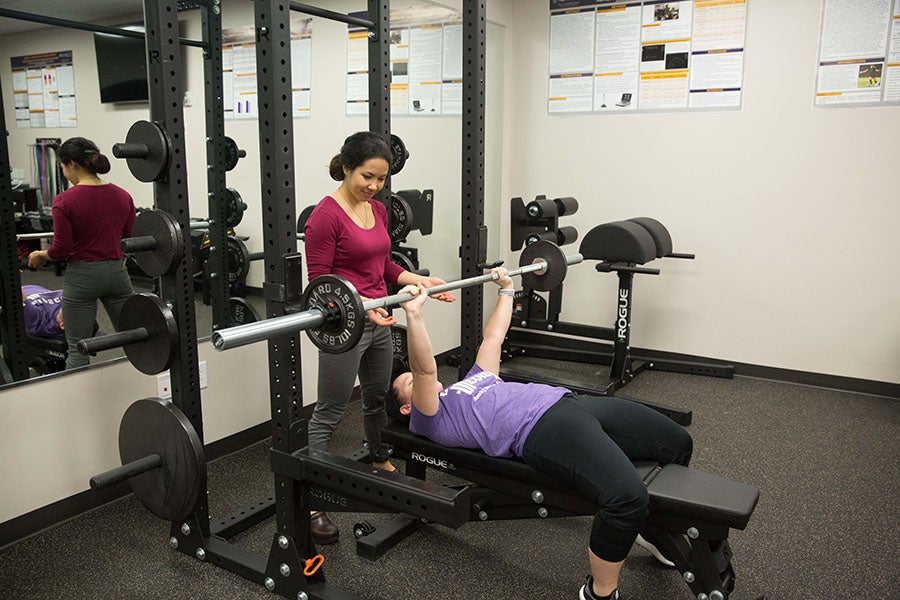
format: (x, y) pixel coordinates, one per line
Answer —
(691, 512)
(48, 354)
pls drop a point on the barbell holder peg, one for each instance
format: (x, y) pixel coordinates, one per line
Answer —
(315, 316)
(126, 471)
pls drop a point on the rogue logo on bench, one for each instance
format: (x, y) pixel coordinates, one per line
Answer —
(622, 322)
(430, 460)
(327, 496)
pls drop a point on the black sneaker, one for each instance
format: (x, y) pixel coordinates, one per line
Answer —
(587, 591)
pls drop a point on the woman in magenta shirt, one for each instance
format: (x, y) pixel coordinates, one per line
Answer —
(89, 221)
(346, 235)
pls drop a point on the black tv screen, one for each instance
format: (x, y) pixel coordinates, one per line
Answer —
(121, 67)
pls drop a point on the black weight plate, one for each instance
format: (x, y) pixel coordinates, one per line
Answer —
(400, 219)
(304, 216)
(237, 259)
(555, 271)
(241, 312)
(156, 353)
(399, 258)
(234, 208)
(154, 167)
(169, 242)
(345, 317)
(232, 154)
(154, 426)
(399, 154)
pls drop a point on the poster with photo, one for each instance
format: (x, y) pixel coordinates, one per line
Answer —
(44, 90)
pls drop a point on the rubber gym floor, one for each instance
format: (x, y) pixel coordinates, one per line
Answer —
(827, 524)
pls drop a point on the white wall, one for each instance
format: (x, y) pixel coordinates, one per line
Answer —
(56, 432)
(791, 211)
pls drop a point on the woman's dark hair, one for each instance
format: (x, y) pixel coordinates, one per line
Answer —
(391, 402)
(84, 153)
(357, 149)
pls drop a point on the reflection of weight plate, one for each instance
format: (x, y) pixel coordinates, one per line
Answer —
(234, 208)
(169, 242)
(154, 426)
(345, 317)
(232, 154)
(156, 353)
(241, 312)
(399, 154)
(400, 219)
(237, 259)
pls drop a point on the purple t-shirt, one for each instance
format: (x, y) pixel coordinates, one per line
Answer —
(41, 307)
(483, 411)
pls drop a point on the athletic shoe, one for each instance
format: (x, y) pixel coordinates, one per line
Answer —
(587, 591)
(652, 549)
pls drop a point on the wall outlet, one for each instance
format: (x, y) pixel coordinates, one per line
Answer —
(163, 386)
(204, 382)
(188, 99)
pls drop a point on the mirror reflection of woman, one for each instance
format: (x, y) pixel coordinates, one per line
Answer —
(89, 221)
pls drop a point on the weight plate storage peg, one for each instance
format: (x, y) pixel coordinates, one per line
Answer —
(156, 243)
(146, 150)
(342, 307)
(156, 353)
(154, 426)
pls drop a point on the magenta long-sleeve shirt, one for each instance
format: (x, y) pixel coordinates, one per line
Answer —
(89, 222)
(336, 245)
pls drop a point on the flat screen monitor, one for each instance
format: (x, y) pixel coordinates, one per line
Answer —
(122, 67)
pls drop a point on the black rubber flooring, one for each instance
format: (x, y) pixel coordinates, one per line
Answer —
(827, 524)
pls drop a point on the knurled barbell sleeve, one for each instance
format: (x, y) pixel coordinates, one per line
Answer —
(232, 337)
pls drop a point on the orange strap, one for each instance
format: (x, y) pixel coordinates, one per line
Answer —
(313, 564)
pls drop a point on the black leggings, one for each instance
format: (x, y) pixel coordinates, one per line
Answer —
(589, 442)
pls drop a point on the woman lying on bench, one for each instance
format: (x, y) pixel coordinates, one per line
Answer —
(584, 441)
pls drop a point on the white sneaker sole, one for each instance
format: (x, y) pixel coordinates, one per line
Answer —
(640, 541)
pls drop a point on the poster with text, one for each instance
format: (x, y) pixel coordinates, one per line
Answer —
(44, 90)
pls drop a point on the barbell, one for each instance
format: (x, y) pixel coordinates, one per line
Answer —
(334, 314)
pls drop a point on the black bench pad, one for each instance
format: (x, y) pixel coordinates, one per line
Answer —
(675, 490)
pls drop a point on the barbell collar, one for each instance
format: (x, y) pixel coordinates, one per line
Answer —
(232, 337)
(113, 340)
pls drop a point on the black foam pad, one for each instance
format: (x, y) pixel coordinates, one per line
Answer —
(619, 241)
(658, 232)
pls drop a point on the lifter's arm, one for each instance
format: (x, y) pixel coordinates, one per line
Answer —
(425, 383)
(488, 357)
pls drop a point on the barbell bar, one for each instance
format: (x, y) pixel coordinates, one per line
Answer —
(334, 315)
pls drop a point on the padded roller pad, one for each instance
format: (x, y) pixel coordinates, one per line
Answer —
(658, 232)
(619, 241)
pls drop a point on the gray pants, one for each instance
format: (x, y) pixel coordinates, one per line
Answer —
(371, 359)
(85, 283)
